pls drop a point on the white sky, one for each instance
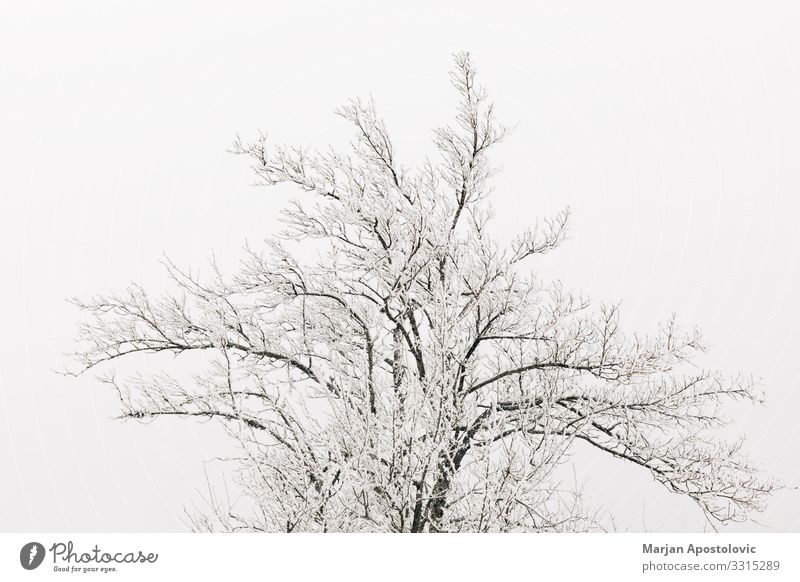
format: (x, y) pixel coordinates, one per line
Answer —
(671, 129)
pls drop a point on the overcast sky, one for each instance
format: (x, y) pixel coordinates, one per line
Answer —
(671, 130)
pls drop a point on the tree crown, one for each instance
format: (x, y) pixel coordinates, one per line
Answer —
(417, 377)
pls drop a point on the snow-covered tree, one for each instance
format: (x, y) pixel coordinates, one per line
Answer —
(417, 377)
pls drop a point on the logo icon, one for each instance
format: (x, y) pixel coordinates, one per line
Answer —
(31, 555)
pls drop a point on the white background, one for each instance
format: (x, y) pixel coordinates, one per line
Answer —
(671, 129)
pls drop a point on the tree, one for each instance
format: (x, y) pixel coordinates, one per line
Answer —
(417, 377)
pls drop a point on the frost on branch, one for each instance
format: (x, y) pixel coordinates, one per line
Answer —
(415, 378)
